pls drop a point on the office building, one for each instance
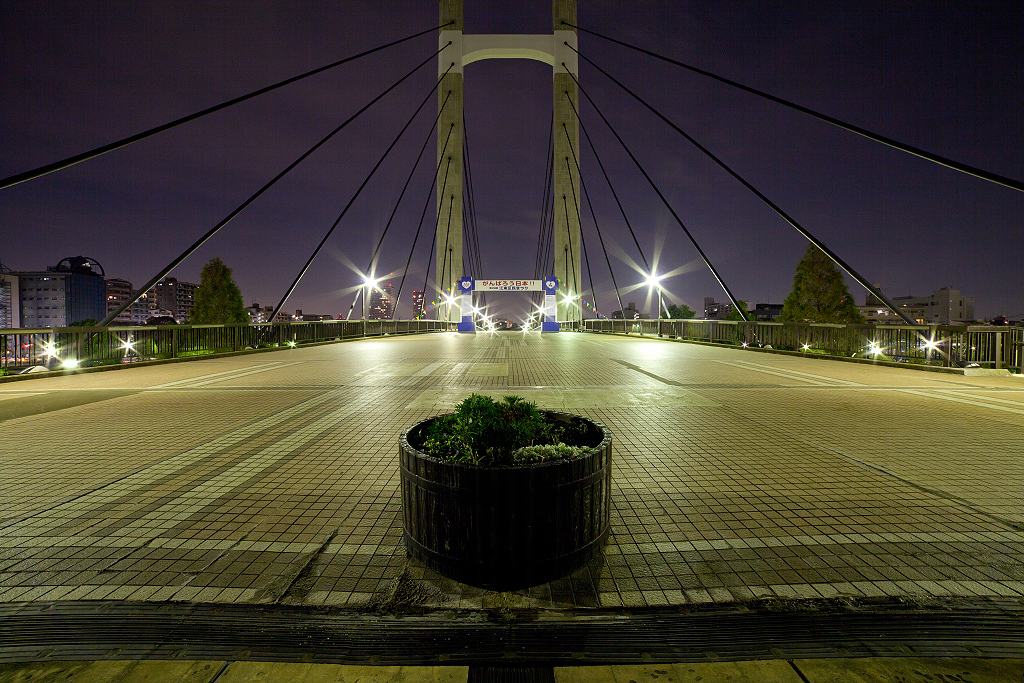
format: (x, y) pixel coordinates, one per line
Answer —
(765, 312)
(72, 291)
(417, 303)
(310, 317)
(945, 306)
(118, 292)
(629, 313)
(175, 296)
(382, 303)
(714, 310)
(257, 314)
(10, 297)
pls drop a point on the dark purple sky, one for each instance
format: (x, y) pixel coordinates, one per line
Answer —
(944, 76)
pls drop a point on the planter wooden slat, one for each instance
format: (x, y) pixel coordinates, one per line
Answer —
(506, 527)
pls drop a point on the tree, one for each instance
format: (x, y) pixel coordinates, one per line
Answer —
(218, 299)
(680, 312)
(733, 315)
(819, 293)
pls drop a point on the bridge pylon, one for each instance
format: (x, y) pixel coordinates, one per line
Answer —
(552, 49)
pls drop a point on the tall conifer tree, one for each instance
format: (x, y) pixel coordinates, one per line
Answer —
(218, 299)
(819, 293)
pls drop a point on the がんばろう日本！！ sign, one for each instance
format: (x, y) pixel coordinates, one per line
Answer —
(509, 285)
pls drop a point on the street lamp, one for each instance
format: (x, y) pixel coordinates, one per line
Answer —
(655, 281)
(370, 283)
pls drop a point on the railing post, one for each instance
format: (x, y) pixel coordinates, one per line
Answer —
(999, 348)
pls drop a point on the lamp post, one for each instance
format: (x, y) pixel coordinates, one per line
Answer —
(368, 284)
(655, 281)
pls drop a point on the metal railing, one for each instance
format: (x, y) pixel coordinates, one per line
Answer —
(70, 347)
(988, 346)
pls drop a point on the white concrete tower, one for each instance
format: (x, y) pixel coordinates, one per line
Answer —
(448, 248)
(568, 267)
(460, 50)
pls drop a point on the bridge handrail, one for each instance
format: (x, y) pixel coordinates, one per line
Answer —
(988, 346)
(52, 348)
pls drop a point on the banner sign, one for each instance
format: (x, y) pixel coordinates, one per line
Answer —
(509, 285)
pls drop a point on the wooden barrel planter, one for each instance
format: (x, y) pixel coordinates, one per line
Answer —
(507, 527)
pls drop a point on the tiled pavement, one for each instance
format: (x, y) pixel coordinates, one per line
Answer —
(273, 478)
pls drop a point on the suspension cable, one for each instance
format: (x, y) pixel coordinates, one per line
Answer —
(213, 231)
(437, 223)
(549, 241)
(546, 209)
(472, 197)
(446, 258)
(785, 216)
(600, 164)
(659, 193)
(110, 147)
(545, 203)
(890, 142)
(568, 236)
(583, 239)
(593, 215)
(423, 214)
(373, 259)
(353, 199)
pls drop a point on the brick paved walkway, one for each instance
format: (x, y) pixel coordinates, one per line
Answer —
(273, 478)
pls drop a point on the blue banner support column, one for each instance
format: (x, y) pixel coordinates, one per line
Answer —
(550, 323)
(466, 286)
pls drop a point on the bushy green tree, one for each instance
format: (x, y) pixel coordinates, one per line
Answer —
(678, 312)
(819, 293)
(733, 315)
(218, 299)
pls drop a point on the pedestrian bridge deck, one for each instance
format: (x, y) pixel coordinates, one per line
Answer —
(273, 478)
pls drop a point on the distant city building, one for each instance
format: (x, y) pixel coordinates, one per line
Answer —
(714, 310)
(309, 317)
(144, 308)
(630, 313)
(176, 297)
(945, 306)
(118, 292)
(10, 300)
(382, 303)
(69, 292)
(765, 312)
(417, 303)
(257, 314)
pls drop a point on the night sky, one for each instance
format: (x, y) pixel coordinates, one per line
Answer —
(944, 76)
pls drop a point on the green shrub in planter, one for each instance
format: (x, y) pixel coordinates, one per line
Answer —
(485, 432)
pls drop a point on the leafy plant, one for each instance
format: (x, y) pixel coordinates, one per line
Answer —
(486, 432)
(558, 451)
